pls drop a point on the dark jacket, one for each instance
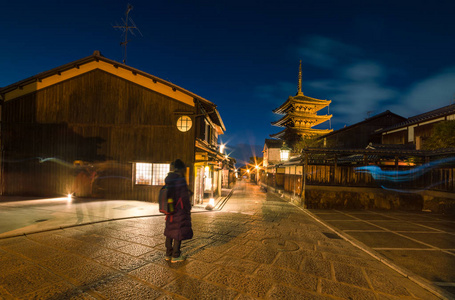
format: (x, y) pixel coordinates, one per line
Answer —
(178, 225)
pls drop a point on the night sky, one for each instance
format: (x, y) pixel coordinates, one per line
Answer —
(365, 56)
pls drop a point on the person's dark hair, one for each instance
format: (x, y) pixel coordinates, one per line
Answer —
(179, 165)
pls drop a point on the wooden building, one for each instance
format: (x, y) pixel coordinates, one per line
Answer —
(98, 128)
(300, 115)
(361, 134)
(416, 129)
(271, 152)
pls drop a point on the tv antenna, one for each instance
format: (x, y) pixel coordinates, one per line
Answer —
(126, 27)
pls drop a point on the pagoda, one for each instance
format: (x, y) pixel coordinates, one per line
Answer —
(300, 115)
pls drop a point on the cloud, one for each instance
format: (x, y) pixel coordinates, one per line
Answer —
(274, 92)
(357, 91)
(365, 71)
(431, 93)
(324, 52)
(360, 87)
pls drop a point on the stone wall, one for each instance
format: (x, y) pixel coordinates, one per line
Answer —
(329, 197)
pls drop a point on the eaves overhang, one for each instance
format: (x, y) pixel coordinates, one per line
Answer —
(97, 61)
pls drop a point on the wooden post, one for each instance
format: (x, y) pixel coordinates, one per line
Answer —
(305, 163)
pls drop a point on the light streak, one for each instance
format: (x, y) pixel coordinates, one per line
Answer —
(401, 176)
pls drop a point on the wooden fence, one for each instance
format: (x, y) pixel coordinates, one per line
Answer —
(421, 177)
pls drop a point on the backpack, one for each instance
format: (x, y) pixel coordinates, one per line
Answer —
(166, 201)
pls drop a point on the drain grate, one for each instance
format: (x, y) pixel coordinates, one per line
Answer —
(332, 235)
(41, 220)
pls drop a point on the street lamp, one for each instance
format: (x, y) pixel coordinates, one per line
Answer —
(284, 152)
(257, 174)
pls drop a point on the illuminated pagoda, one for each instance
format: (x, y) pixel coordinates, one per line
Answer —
(300, 115)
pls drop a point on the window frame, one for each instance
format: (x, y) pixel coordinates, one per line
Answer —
(157, 172)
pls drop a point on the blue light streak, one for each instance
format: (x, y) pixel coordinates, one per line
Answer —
(401, 176)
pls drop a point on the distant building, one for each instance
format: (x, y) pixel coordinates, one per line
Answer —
(360, 135)
(300, 116)
(271, 152)
(99, 128)
(415, 130)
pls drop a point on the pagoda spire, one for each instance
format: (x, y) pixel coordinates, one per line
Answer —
(299, 86)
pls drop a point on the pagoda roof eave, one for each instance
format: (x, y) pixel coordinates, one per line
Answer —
(311, 131)
(317, 118)
(302, 100)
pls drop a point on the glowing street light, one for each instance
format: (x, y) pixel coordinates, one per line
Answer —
(284, 152)
(257, 173)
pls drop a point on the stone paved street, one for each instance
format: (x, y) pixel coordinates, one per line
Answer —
(258, 246)
(421, 242)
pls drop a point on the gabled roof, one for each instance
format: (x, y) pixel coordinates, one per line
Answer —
(383, 114)
(273, 143)
(433, 114)
(97, 61)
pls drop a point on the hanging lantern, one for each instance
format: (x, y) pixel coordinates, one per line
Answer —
(285, 152)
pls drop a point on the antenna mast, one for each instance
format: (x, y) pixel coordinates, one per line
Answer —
(127, 28)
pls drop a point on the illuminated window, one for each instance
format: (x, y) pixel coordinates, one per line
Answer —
(159, 173)
(151, 174)
(184, 123)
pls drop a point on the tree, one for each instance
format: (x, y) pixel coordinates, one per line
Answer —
(443, 136)
(307, 142)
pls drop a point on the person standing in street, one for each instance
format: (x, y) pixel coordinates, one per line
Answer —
(178, 225)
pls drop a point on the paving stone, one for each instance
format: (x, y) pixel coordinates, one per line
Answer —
(289, 260)
(63, 262)
(87, 274)
(153, 256)
(244, 297)
(155, 274)
(11, 261)
(58, 290)
(121, 261)
(336, 250)
(316, 267)
(30, 249)
(207, 256)
(197, 268)
(386, 284)
(193, 288)
(287, 277)
(19, 282)
(4, 295)
(147, 241)
(262, 255)
(113, 243)
(240, 251)
(345, 291)
(253, 286)
(134, 249)
(238, 264)
(285, 292)
(350, 274)
(124, 287)
(5, 243)
(355, 261)
(271, 251)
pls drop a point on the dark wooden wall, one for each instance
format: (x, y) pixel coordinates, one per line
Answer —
(98, 118)
(361, 135)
